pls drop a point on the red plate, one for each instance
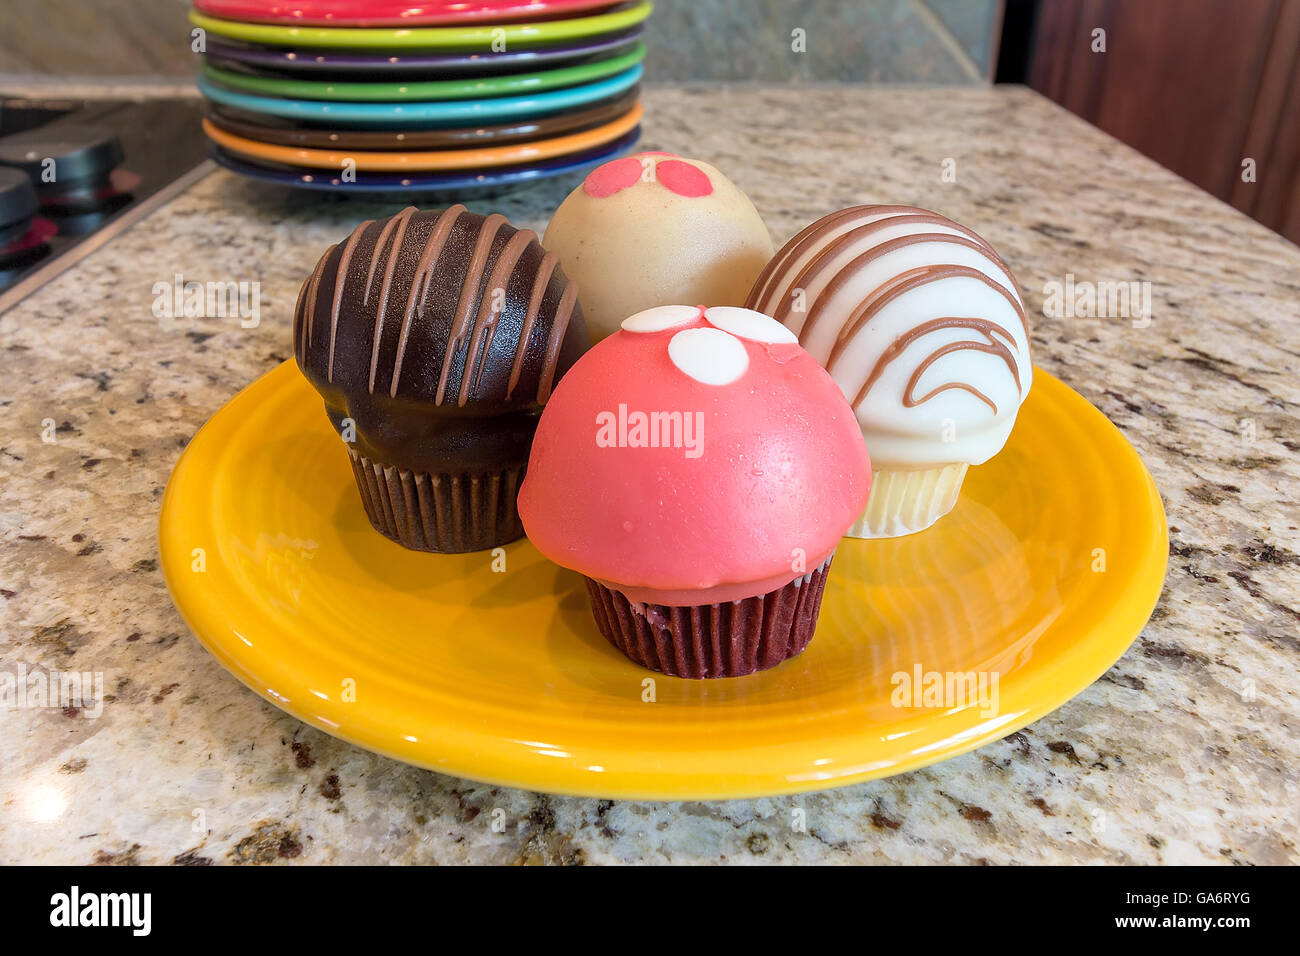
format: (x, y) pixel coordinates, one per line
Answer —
(391, 13)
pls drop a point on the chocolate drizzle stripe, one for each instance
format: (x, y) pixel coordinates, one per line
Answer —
(474, 312)
(415, 308)
(846, 274)
(540, 284)
(910, 402)
(390, 266)
(488, 313)
(987, 328)
(791, 250)
(340, 277)
(821, 262)
(314, 290)
(384, 234)
(923, 217)
(471, 294)
(817, 264)
(905, 282)
(765, 298)
(563, 313)
(300, 323)
(807, 239)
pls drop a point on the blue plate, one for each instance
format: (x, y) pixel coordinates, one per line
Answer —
(406, 114)
(427, 183)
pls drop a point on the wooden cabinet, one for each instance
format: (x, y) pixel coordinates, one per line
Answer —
(1201, 86)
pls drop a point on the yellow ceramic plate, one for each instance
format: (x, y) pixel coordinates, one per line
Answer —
(492, 669)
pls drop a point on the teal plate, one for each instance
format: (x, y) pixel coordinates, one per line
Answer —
(405, 114)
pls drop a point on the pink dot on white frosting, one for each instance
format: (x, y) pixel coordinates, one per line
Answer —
(612, 177)
(682, 178)
(748, 324)
(710, 356)
(660, 318)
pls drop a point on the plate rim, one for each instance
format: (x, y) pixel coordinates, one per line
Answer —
(315, 62)
(547, 8)
(1080, 665)
(465, 158)
(501, 108)
(551, 78)
(522, 33)
(499, 176)
(517, 131)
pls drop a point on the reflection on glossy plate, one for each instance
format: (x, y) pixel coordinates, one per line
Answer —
(502, 676)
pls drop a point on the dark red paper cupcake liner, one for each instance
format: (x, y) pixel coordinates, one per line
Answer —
(445, 513)
(712, 640)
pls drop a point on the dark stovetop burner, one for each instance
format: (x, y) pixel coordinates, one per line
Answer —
(74, 172)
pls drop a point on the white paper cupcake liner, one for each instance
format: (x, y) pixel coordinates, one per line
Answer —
(905, 502)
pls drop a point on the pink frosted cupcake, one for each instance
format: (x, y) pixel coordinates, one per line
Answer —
(699, 468)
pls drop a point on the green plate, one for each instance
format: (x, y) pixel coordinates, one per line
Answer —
(462, 89)
(505, 36)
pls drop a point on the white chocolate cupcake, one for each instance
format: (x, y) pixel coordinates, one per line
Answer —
(654, 228)
(921, 325)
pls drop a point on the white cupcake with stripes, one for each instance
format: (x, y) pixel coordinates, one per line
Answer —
(922, 326)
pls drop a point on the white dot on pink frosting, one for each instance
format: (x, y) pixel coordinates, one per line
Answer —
(661, 317)
(748, 324)
(710, 356)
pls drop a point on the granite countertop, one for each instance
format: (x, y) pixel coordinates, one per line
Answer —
(1188, 747)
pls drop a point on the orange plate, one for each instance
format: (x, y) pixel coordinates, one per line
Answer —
(378, 162)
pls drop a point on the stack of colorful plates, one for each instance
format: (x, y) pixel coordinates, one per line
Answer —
(395, 96)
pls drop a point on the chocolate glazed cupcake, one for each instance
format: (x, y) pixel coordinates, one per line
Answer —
(435, 339)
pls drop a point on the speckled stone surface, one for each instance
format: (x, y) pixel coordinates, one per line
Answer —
(1185, 751)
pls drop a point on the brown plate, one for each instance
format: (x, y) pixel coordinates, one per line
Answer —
(287, 133)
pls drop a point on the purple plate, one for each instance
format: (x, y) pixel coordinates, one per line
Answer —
(276, 60)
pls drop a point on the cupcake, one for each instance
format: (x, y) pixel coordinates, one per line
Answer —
(698, 468)
(922, 326)
(654, 228)
(435, 338)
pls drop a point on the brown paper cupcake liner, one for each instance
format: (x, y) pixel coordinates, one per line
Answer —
(445, 513)
(713, 640)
